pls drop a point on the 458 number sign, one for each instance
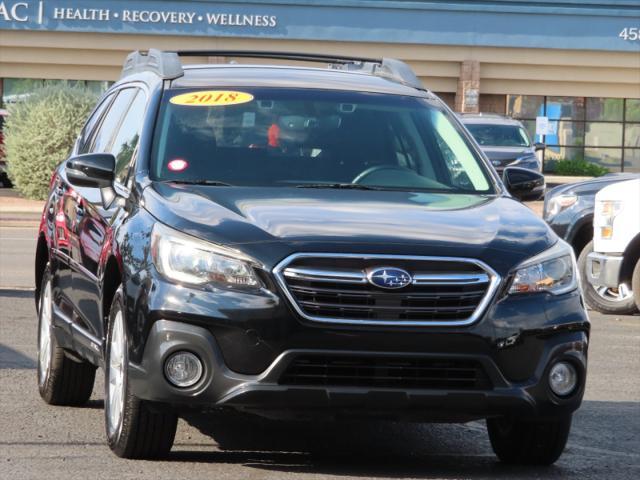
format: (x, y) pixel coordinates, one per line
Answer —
(630, 33)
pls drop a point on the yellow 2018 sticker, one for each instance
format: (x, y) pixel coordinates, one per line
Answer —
(212, 98)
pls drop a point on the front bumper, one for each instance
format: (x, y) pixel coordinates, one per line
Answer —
(604, 270)
(247, 340)
(265, 393)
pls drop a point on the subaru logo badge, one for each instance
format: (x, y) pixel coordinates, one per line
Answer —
(388, 277)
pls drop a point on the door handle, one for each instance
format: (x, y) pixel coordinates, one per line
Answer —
(59, 190)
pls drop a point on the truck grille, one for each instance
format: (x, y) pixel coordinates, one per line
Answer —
(336, 289)
(386, 372)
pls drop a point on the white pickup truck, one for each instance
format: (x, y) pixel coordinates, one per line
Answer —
(615, 260)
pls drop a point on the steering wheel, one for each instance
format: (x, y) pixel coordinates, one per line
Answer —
(379, 168)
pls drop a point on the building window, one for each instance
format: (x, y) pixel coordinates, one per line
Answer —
(605, 109)
(632, 160)
(448, 98)
(632, 111)
(525, 106)
(568, 108)
(491, 103)
(605, 131)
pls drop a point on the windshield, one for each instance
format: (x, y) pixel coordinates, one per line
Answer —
(499, 135)
(312, 138)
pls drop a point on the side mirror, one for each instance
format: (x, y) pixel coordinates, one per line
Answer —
(94, 170)
(539, 146)
(525, 185)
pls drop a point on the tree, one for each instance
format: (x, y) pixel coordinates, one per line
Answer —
(40, 132)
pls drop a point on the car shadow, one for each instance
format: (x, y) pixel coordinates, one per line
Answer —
(351, 448)
(604, 437)
(12, 359)
(14, 293)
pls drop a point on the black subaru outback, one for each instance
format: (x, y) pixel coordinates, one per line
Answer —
(301, 243)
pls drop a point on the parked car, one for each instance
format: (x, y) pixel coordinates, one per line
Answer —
(4, 176)
(568, 209)
(301, 243)
(615, 259)
(504, 141)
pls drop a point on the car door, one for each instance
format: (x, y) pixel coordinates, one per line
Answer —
(61, 214)
(94, 222)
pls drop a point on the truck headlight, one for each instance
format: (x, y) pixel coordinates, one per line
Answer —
(553, 271)
(555, 205)
(189, 260)
(606, 212)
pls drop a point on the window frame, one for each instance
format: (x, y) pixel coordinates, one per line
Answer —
(134, 154)
(121, 188)
(87, 137)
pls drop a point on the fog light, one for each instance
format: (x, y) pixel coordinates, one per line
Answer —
(563, 379)
(183, 369)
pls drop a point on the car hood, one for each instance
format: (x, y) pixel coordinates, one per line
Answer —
(590, 186)
(505, 153)
(271, 223)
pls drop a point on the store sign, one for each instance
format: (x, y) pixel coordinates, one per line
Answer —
(542, 125)
(16, 12)
(85, 14)
(388, 21)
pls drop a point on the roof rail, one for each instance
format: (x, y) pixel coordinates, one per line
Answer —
(299, 57)
(167, 64)
(164, 64)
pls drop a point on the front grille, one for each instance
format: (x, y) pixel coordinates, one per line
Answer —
(336, 289)
(386, 372)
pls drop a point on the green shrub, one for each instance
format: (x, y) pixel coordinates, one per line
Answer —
(39, 134)
(579, 168)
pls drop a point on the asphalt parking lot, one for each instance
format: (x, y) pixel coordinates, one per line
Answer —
(40, 441)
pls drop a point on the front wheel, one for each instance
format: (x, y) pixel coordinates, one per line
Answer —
(530, 442)
(134, 429)
(635, 283)
(615, 301)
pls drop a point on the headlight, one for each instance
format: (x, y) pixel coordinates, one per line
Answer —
(557, 204)
(606, 212)
(526, 158)
(186, 259)
(553, 271)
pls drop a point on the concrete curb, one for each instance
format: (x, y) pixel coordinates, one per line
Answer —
(18, 224)
(20, 219)
(17, 208)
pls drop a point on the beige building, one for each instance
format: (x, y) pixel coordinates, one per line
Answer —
(588, 87)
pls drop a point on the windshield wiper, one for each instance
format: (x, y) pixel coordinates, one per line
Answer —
(214, 183)
(346, 186)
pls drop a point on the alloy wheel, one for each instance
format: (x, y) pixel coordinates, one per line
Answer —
(620, 294)
(44, 341)
(116, 377)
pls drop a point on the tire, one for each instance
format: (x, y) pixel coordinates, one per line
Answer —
(635, 284)
(604, 300)
(4, 181)
(61, 379)
(134, 429)
(530, 442)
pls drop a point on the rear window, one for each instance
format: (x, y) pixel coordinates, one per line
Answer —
(296, 137)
